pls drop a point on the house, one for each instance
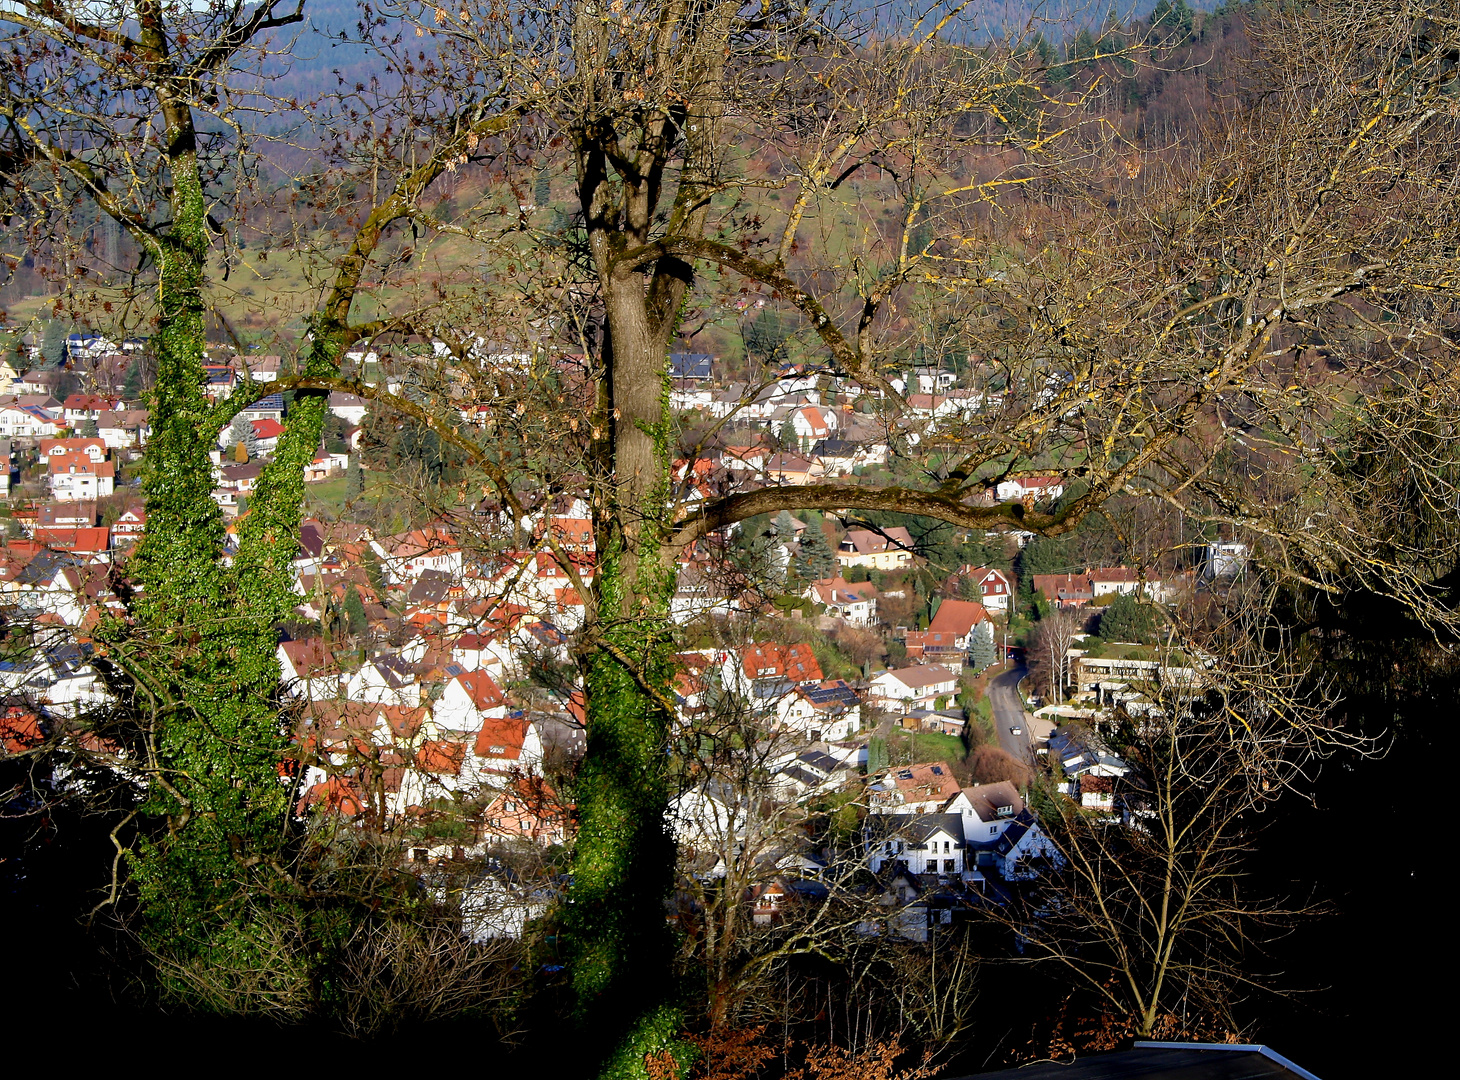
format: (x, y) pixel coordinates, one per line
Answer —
(125, 429)
(1223, 558)
(93, 448)
(987, 809)
(1030, 489)
(830, 710)
(993, 587)
(855, 604)
(810, 772)
(240, 478)
(348, 407)
(266, 408)
(921, 686)
(958, 617)
(1019, 852)
(387, 680)
(262, 368)
(78, 408)
(129, 526)
(504, 746)
(28, 422)
(889, 549)
(791, 469)
(469, 699)
(528, 809)
(1080, 752)
(771, 664)
(219, 381)
(72, 515)
(406, 556)
(913, 789)
(813, 424)
(924, 843)
(1064, 590)
(75, 476)
(40, 381)
(88, 544)
(934, 646)
(1119, 580)
(697, 366)
(838, 456)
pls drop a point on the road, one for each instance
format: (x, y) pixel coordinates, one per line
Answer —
(1009, 713)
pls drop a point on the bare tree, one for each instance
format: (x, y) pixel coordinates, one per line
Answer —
(1049, 652)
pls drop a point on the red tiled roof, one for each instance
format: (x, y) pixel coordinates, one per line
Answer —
(502, 739)
(481, 689)
(772, 659)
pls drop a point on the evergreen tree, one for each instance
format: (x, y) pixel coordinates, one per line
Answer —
(1128, 619)
(240, 452)
(787, 436)
(981, 653)
(542, 190)
(786, 526)
(814, 559)
(354, 479)
(53, 344)
(355, 618)
(132, 384)
(765, 338)
(86, 429)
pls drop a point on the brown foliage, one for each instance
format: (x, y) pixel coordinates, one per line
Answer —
(991, 764)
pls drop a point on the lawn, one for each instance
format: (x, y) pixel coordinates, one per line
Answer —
(925, 746)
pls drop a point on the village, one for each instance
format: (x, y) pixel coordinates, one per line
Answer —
(428, 671)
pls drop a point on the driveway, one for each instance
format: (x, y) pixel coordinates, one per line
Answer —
(1009, 713)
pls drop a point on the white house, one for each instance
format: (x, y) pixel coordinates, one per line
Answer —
(75, 476)
(1030, 489)
(993, 587)
(407, 556)
(27, 422)
(468, 700)
(852, 603)
(915, 687)
(889, 549)
(925, 843)
(348, 407)
(505, 745)
(386, 680)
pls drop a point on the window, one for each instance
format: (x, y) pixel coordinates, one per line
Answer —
(948, 866)
(993, 829)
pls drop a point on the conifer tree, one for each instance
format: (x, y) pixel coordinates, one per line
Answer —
(981, 646)
(814, 559)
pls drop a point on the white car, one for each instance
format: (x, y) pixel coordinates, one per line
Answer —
(1016, 731)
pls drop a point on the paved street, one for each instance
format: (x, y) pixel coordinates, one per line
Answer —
(1009, 713)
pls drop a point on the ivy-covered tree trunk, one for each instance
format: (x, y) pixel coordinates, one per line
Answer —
(202, 642)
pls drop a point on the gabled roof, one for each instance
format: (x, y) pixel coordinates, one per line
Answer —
(994, 801)
(502, 739)
(772, 659)
(481, 689)
(958, 617)
(915, 828)
(921, 675)
(929, 780)
(867, 542)
(690, 365)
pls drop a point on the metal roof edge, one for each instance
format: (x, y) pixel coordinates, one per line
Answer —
(1150, 1044)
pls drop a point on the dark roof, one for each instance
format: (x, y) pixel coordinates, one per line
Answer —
(1165, 1061)
(834, 448)
(914, 828)
(687, 365)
